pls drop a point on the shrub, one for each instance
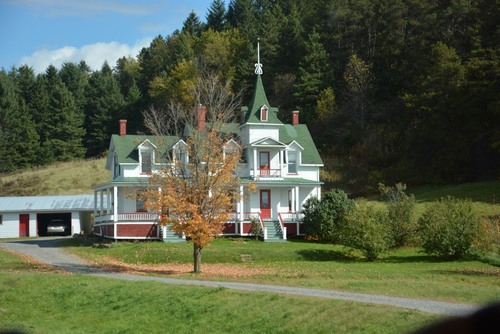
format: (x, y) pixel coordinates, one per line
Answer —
(401, 215)
(324, 219)
(487, 240)
(366, 229)
(448, 228)
(256, 228)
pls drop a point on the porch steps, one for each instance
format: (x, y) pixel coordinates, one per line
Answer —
(274, 232)
(171, 237)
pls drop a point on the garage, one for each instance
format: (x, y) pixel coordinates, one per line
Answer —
(53, 220)
(42, 216)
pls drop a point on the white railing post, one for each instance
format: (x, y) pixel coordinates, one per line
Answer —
(284, 233)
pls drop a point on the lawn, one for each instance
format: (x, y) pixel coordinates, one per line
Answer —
(404, 272)
(37, 299)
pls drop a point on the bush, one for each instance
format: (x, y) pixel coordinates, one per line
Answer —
(487, 239)
(448, 228)
(324, 219)
(367, 230)
(401, 215)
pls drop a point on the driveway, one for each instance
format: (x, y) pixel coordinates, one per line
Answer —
(48, 251)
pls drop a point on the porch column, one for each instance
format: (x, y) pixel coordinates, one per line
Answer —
(280, 154)
(241, 215)
(255, 162)
(115, 203)
(297, 209)
(101, 203)
(297, 200)
(95, 204)
(108, 201)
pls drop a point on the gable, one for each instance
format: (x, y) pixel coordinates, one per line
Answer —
(267, 142)
(301, 135)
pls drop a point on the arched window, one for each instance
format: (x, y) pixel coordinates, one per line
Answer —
(264, 114)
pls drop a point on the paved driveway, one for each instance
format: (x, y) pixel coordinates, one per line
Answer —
(47, 250)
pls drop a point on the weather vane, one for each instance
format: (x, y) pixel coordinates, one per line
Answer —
(258, 66)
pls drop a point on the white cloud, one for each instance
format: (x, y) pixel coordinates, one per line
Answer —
(93, 54)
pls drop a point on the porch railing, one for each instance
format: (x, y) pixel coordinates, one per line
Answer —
(130, 216)
(291, 217)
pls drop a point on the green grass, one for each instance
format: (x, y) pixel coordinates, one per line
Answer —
(61, 178)
(404, 272)
(485, 196)
(49, 302)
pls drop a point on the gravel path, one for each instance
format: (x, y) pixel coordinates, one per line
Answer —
(47, 250)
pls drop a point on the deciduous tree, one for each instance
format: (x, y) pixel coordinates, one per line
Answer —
(194, 195)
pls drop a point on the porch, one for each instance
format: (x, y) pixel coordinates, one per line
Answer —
(144, 225)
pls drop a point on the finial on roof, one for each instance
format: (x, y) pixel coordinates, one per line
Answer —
(258, 66)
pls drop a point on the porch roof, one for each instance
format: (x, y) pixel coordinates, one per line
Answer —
(122, 181)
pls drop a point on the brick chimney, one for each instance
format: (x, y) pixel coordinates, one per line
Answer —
(123, 127)
(202, 117)
(295, 117)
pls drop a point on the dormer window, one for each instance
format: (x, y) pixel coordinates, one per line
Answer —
(146, 157)
(146, 161)
(292, 162)
(264, 114)
(116, 167)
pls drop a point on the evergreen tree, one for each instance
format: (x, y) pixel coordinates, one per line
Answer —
(75, 81)
(192, 25)
(243, 15)
(65, 126)
(105, 105)
(18, 137)
(314, 75)
(216, 16)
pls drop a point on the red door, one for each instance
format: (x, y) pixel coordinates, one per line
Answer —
(24, 225)
(265, 203)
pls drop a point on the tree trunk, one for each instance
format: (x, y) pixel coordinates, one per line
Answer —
(197, 259)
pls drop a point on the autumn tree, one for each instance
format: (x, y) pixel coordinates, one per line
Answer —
(195, 190)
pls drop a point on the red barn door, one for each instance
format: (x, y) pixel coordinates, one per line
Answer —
(24, 225)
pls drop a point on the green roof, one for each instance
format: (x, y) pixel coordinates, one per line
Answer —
(252, 111)
(300, 133)
(126, 146)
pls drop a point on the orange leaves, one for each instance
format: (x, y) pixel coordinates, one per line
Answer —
(195, 203)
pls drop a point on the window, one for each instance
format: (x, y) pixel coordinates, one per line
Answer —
(264, 163)
(263, 114)
(292, 162)
(180, 156)
(116, 167)
(146, 162)
(139, 202)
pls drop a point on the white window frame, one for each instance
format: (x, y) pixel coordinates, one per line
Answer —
(264, 113)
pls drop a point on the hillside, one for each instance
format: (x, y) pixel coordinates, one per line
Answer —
(62, 178)
(79, 176)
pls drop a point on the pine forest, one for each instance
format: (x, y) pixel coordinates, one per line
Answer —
(391, 90)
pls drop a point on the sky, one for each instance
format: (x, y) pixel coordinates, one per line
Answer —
(38, 33)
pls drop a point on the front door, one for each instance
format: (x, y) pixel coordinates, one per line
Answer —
(265, 203)
(24, 225)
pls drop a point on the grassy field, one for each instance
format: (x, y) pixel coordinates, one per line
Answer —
(37, 299)
(404, 272)
(62, 178)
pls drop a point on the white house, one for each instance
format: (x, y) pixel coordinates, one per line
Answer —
(281, 160)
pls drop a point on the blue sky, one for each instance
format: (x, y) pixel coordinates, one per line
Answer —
(43, 32)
